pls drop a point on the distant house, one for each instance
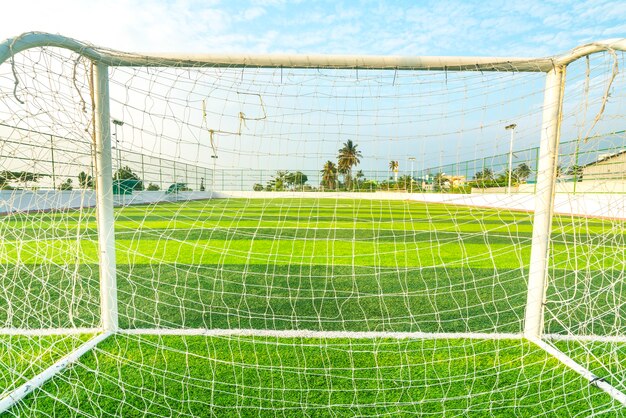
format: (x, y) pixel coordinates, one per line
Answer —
(607, 166)
(456, 181)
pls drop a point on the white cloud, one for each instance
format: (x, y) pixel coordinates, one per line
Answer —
(532, 27)
(253, 13)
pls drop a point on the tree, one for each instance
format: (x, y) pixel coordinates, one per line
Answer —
(360, 179)
(576, 171)
(85, 181)
(521, 173)
(153, 187)
(371, 185)
(503, 179)
(404, 182)
(278, 183)
(349, 156)
(329, 175)
(485, 174)
(20, 176)
(177, 187)
(4, 182)
(126, 173)
(202, 188)
(258, 187)
(559, 171)
(66, 185)
(296, 179)
(440, 182)
(393, 166)
(485, 178)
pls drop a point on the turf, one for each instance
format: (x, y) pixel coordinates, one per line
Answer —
(22, 357)
(203, 377)
(324, 265)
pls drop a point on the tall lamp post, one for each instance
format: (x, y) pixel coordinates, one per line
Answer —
(511, 128)
(412, 160)
(117, 123)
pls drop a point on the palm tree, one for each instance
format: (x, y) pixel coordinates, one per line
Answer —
(393, 166)
(404, 182)
(559, 171)
(484, 178)
(348, 157)
(521, 173)
(329, 175)
(439, 182)
(360, 177)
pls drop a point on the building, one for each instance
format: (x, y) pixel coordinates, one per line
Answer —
(606, 167)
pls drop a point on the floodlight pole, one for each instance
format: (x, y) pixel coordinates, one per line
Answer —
(104, 200)
(544, 202)
(511, 128)
(412, 160)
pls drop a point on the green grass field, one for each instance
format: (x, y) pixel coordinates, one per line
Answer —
(304, 264)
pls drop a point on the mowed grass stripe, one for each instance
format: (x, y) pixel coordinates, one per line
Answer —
(315, 297)
(273, 297)
(453, 253)
(281, 214)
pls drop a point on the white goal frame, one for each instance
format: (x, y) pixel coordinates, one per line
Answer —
(553, 67)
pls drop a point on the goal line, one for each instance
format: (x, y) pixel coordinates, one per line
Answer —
(59, 366)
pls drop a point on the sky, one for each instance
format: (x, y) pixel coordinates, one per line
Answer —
(529, 28)
(487, 28)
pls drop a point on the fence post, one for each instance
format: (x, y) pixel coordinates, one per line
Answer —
(104, 200)
(544, 202)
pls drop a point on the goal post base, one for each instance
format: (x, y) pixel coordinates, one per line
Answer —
(581, 370)
(39, 380)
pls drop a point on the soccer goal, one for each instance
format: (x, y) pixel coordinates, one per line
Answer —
(291, 235)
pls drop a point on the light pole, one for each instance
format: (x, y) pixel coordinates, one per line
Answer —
(511, 128)
(412, 160)
(117, 123)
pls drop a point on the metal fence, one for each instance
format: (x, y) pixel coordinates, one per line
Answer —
(57, 160)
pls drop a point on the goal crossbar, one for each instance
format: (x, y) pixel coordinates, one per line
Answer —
(110, 57)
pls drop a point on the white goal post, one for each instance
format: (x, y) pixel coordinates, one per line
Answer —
(104, 160)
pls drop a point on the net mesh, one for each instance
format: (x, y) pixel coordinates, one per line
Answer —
(297, 241)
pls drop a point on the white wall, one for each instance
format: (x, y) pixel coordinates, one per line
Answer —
(587, 186)
(590, 204)
(38, 200)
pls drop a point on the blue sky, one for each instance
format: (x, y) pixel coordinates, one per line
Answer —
(528, 28)
(488, 28)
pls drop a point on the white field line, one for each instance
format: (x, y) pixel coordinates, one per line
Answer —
(593, 379)
(586, 338)
(289, 333)
(36, 382)
(48, 331)
(319, 334)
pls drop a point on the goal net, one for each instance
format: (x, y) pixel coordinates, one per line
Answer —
(317, 236)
